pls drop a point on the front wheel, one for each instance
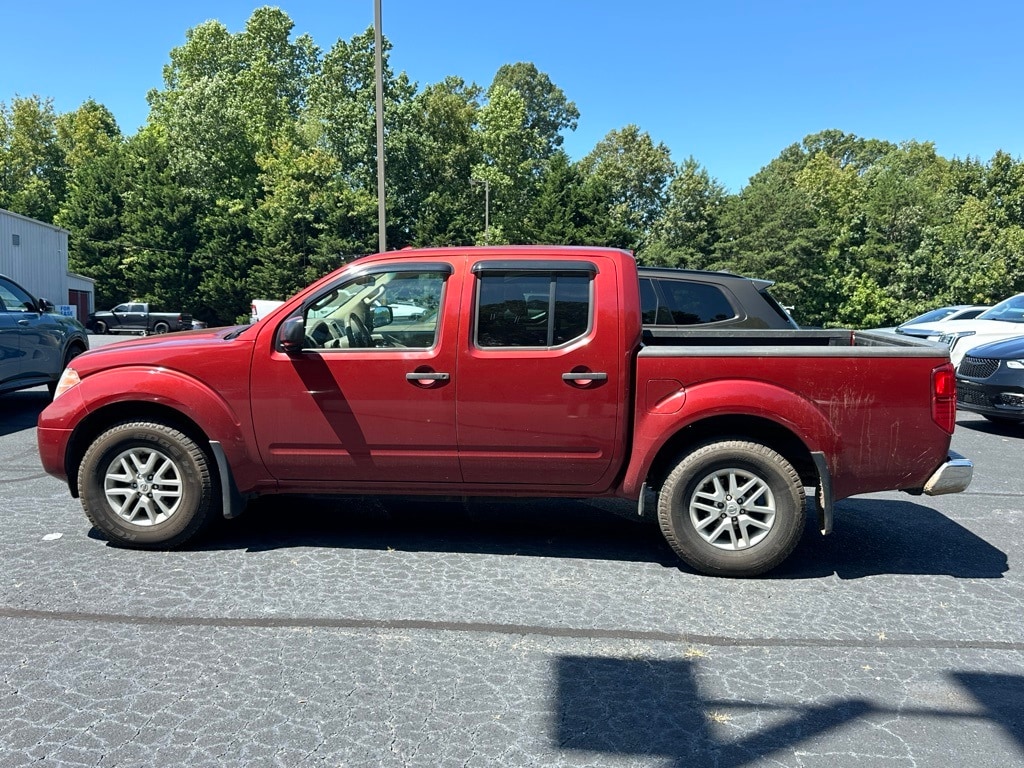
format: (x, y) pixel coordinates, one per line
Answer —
(732, 508)
(147, 486)
(99, 327)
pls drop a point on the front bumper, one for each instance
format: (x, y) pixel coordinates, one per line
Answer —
(952, 477)
(998, 396)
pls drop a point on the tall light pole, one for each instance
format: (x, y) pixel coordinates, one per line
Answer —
(378, 62)
(487, 206)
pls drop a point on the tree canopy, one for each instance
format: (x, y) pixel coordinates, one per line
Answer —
(256, 173)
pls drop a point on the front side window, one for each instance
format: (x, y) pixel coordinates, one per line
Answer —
(532, 309)
(377, 311)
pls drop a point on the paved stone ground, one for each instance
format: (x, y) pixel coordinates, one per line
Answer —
(395, 633)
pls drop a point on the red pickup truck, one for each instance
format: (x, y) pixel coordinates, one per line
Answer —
(508, 371)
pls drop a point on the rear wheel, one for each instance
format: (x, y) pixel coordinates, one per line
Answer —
(161, 327)
(147, 486)
(732, 508)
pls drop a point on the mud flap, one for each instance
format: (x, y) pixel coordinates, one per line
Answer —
(823, 493)
(232, 501)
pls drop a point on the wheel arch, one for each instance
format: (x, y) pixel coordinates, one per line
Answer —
(757, 429)
(99, 421)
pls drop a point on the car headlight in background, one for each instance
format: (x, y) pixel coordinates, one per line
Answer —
(950, 339)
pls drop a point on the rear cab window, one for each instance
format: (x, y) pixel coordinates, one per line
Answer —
(683, 302)
(532, 305)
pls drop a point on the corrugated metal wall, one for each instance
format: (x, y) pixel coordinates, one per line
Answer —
(35, 255)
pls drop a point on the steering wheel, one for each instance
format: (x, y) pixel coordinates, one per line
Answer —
(358, 334)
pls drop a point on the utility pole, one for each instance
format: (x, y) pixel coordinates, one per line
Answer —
(379, 68)
(487, 206)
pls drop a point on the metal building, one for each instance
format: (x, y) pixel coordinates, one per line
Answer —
(35, 255)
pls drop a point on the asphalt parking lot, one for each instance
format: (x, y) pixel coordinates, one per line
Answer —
(396, 633)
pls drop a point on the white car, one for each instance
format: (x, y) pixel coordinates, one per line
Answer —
(940, 315)
(1003, 321)
(261, 308)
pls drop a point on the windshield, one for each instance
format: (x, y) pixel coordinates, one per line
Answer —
(931, 317)
(1009, 311)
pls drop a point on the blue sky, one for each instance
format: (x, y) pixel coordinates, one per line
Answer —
(731, 83)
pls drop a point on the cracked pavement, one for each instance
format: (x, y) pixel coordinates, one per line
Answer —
(563, 633)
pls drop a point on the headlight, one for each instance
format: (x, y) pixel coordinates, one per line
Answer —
(68, 380)
(1017, 364)
(950, 339)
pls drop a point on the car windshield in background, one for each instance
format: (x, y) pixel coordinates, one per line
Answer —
(1009, 311)
(943, 313)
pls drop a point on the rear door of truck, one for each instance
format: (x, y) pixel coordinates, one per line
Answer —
(540, 385)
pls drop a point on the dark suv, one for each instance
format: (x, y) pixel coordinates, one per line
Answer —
(675, 299)
(35, 343)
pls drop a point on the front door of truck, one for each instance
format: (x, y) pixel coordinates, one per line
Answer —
(371, 397)
(539, 386)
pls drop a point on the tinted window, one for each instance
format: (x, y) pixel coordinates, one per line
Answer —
(694, 303)
(652, 310)
(535, 309)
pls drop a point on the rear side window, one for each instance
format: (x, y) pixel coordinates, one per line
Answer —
(681, 302)
(532, 309)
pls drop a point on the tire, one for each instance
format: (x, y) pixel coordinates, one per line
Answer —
(732, 508)
(99, 327)
(161, 327)
(147, 486)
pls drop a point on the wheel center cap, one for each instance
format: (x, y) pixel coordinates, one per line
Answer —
(144, 487)
(732, 509)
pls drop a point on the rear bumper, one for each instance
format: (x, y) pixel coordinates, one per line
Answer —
(952, 477)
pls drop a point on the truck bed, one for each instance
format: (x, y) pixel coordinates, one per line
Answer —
(828, 342)
(845, 380)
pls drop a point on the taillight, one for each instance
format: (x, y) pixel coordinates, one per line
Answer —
(944, 397)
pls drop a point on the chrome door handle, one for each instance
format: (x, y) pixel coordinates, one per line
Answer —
(593, 376)
(427, 376)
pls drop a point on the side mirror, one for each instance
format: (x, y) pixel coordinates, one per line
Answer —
(381, 316)
(45, 305)
(291, 336)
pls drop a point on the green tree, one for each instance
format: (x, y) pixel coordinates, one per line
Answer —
(33, 171)
(548, 111)
(637, 172)
(573, 209)
(442, 147)
(688, 229)
(92, 213)
(511, 163)
(160, 258)
(769, 230)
